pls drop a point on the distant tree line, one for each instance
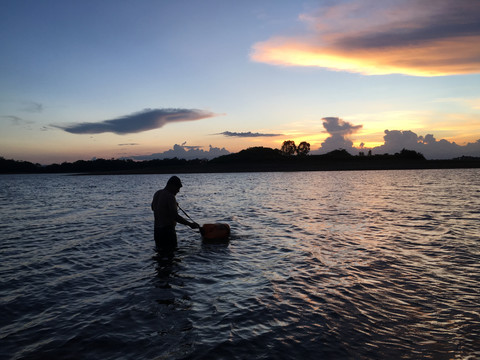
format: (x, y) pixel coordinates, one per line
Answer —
(289, 148)
(14, 166)
(251, 159)
(97, 165)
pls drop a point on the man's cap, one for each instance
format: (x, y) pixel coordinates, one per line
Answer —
(174, 181)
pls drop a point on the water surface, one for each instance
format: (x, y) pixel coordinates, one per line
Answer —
(363, 264)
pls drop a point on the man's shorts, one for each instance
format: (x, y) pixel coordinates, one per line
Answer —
(165, 239)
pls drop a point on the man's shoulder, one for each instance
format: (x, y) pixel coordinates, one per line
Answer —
(164, 193)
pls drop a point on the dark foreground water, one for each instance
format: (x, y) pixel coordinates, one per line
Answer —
(321, 265)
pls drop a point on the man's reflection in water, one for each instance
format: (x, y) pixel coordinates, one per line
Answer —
(164, 266)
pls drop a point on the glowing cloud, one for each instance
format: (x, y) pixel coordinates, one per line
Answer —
(431, 148)
(142, 121)
(394, 142)
(427, 38)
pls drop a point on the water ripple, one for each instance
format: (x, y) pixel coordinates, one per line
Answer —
(350, 265)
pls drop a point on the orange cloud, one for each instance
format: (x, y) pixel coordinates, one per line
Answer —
(419, 41)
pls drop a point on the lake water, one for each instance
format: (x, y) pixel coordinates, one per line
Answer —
(320, 265)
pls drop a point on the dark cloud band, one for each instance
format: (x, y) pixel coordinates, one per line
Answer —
(419, 38)
(246, 134)
(141, 121)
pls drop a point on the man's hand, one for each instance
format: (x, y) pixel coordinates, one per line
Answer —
(194, 225)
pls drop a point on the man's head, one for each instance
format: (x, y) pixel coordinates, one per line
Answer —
(174, 184)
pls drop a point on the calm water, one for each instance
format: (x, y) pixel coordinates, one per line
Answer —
(321, 265)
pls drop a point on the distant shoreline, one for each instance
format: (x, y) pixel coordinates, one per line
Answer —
(292, 167)
(257, 159)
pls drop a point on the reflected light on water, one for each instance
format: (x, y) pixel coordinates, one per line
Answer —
(379, 264)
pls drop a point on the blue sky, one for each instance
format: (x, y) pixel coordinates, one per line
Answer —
(209, 76)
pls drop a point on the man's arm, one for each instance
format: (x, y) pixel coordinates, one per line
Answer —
(184, 221)
(153, 205)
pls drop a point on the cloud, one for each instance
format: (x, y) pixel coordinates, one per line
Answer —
(335, 126)
(396, 140)
(421, 38)
(141, 121)
(32, 107)
(338, 130)
(246, 134)
(129, 144)
(185, 152)
(15, 120)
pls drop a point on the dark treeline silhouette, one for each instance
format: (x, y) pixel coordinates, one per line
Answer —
(15, 167)
(92, 166)
(251, 159)
(289, 148)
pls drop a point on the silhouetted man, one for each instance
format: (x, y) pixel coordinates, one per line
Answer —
(164, 206)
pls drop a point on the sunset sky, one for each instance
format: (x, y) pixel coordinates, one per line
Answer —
(113, 78)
